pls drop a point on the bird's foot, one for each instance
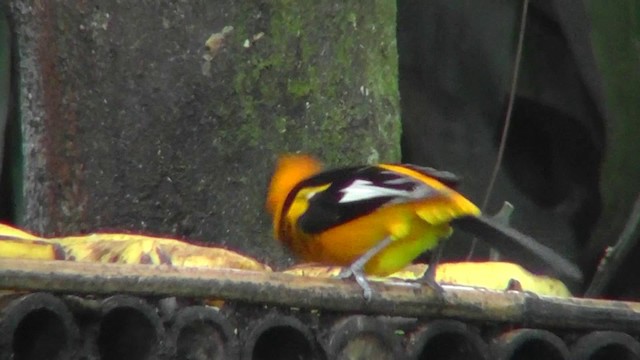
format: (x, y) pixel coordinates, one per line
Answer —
(429, 279)
(356, 269)
(358, 274)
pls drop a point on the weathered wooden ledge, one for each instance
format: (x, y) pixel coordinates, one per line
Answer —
(394, 298)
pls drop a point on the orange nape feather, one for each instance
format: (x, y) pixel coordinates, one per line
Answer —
(290, 170)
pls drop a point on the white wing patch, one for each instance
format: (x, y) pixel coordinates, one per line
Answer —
(363, 190)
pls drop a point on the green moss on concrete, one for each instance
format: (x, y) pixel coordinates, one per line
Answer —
(314, 77)
(157, 133)
(322, 79)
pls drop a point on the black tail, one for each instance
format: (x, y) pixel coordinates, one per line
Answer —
(510, 241)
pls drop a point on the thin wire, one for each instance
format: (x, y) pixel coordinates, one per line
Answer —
(507, 121)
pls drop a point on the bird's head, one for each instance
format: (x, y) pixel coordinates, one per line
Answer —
(291, 169)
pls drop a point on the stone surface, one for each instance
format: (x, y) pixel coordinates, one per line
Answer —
(167, 116)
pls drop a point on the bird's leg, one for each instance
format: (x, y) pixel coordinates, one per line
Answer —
(429, 277)
(356, 269)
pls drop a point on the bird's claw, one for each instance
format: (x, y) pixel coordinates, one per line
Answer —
(429, 279)
(358, 275)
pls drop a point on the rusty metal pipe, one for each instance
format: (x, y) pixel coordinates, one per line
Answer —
(130, 328)
(529, 344)
(278, 336)
(447, 340)
(202, 332)
(605, 345)
(37, 326)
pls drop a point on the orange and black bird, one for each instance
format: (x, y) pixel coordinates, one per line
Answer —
(376, 219)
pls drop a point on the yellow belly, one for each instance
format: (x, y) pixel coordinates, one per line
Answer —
(344, 244)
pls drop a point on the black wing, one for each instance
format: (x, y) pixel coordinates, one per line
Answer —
(356, 192)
